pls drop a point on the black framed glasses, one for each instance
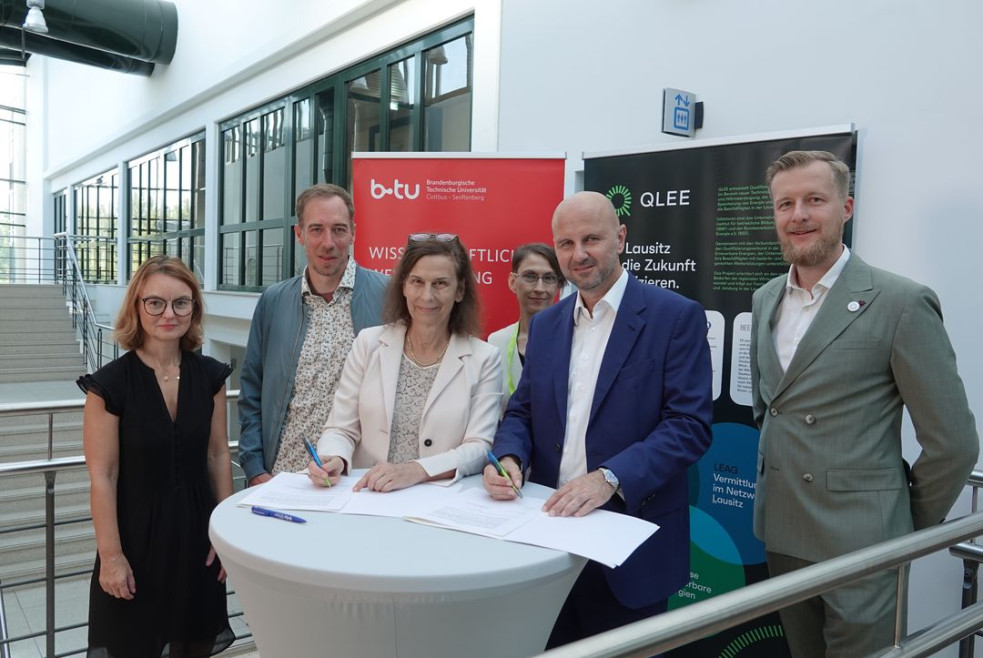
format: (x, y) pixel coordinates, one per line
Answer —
(549, 280)
(439, 237)
(156, 306)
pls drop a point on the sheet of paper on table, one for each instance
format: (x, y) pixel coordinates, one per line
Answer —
(403, 502)
(474, 511)
(602, 536)
(295, 491)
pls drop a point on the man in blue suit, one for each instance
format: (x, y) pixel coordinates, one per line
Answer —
(613, 406)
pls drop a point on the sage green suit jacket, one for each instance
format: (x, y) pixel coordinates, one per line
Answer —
(831, 478)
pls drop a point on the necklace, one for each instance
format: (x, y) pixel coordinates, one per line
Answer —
(412, 354)
(167, 372)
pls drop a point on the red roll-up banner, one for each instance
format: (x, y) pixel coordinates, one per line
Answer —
(493, 202)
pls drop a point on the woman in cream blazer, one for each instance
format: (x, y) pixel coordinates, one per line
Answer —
(432, 316)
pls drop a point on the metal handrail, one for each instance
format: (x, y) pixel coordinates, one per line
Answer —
(49, 468)
(703, 619)
(83, 314)
(699, 620)
(31, 263)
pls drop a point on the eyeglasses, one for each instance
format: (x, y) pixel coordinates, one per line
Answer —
(156, 305)
(439, 237)
(531, 279)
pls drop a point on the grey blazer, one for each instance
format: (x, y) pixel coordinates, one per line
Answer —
(831, 478)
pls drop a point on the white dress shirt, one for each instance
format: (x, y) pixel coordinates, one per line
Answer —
(799, 307)
(590, 338)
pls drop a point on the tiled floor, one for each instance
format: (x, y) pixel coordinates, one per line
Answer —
(24, 609)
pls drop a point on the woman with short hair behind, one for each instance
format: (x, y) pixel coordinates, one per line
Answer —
(535, 279)
(156, 446)
(418, 397)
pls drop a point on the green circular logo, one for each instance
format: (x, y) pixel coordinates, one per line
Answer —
(620, 196)
(746, 639)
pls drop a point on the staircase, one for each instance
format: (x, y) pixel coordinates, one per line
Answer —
(37, 340)
(39, 352)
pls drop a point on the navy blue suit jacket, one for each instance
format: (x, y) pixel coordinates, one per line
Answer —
(650, 419)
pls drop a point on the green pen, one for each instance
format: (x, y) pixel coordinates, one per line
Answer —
(501, 470)
(317, 460)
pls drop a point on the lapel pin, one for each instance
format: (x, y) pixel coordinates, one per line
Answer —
(853, 307)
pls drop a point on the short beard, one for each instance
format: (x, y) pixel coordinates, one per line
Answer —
(598, 279)
(821, 252)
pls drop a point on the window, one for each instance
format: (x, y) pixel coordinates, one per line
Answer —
(61, 226)
(253, 227)
(13, 185)
(167, 204)
(414, 98)
(448, 98)
(61, 211)
(96, 214)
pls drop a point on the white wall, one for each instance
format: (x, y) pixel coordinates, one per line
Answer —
(580, 75)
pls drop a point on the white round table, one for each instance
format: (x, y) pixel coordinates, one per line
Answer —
(365, 586)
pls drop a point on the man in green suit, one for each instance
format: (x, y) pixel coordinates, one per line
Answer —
(838, 348)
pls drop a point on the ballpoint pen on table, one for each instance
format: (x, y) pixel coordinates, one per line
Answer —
(274, 514)
(501, 470)
(317, 460)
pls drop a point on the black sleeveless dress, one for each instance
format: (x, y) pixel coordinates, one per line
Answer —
(163, 500)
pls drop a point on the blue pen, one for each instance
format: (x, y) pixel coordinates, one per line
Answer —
(317, 460)
(501, 469)
(272, 513)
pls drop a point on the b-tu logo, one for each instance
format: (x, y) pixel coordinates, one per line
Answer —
(620, 197)
(398, 190)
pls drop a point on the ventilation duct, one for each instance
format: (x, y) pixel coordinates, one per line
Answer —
(128, 36)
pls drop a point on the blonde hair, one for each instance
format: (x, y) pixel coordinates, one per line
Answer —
(799, 159)
(129, 332)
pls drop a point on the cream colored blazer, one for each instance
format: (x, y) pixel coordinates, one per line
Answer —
(459, 418)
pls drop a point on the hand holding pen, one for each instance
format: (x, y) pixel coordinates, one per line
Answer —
(322, 472)
(500, 478)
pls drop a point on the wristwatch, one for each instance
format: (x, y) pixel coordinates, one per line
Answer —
(610, 477)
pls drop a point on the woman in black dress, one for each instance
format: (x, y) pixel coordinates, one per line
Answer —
(156, 446)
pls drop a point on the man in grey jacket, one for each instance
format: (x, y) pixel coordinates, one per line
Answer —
(301, 333)
(838, 349)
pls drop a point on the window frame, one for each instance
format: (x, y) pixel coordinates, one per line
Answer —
(140, 232)
(340, 165)
(100, 251)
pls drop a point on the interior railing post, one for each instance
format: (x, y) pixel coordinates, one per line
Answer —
(85, 336)
(4, 644)
(967, 645)
(899, 607)
(49, 561)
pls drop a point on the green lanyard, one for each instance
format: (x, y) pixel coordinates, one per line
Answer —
(513, 348)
